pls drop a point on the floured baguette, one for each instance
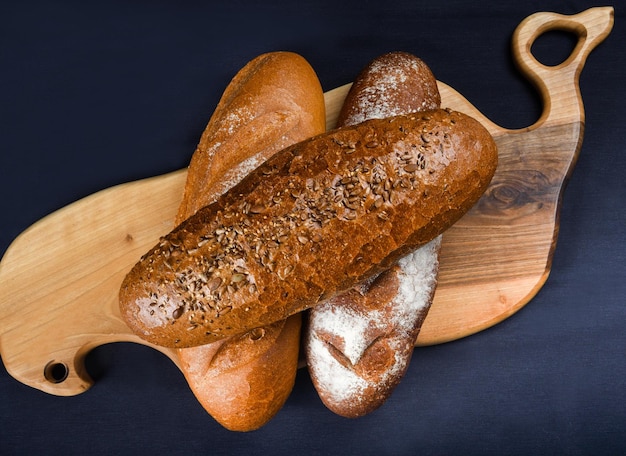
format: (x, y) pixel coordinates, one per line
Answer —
(311, 222)
(392, 84)
(273, 102)
(358, 345)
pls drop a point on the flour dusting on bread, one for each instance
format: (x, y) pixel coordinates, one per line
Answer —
(339, 336)
(382, 89)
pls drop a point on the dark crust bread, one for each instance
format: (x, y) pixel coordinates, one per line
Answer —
(313, 221)
(358, 345)
(392, 84)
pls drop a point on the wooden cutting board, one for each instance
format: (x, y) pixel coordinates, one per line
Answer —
(59, 279)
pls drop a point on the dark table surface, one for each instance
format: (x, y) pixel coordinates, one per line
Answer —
(93, 94)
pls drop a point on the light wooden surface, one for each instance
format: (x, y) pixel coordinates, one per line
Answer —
(59, 279)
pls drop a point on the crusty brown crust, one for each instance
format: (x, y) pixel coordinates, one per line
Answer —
(271, 103)
(243, 381)
(313, 221)
(358, 345)
(392, 84)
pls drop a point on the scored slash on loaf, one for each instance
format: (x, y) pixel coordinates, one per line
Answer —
(314, 220)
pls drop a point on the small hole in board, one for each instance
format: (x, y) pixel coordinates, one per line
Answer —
(55, 372)
(554, 47)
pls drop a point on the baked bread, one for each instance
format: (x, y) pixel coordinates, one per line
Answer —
(358, 345)
(311, 222)
(391, 84)
(274, 101)
(244, 380)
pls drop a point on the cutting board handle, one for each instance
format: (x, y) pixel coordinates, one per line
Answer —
(558, 84)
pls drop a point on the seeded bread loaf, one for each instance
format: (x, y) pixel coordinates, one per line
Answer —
(358, 345)
(311, 222)
(274, 101)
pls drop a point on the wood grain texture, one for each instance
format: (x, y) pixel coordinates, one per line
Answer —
(59, 279)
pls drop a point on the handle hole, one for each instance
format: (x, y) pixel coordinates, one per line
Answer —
(554, 47)
(55, 372)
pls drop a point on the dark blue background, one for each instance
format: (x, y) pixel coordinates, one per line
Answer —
(93, 94)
